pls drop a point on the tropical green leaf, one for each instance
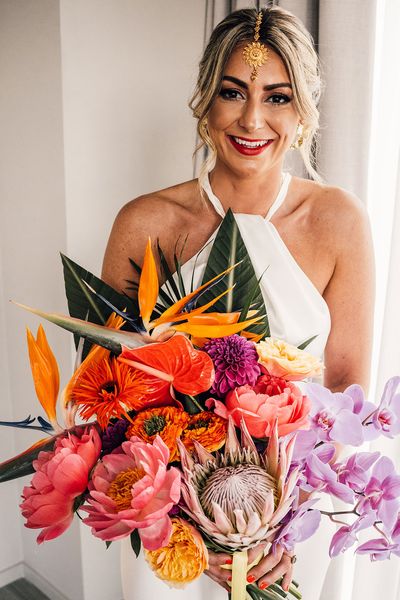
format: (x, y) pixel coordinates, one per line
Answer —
(136, 542)
(307, 342)
(82, 304)
(228, 249)
(21, 465)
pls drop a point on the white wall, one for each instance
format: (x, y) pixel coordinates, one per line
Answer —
(94, 112)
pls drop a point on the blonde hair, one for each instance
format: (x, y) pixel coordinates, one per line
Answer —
(286, 35)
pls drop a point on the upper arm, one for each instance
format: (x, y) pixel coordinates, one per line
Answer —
(128, 238)
(350, 297)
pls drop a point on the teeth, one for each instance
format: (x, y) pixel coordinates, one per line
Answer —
(250, 144)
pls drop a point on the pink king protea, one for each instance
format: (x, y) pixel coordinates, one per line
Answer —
(239, 498)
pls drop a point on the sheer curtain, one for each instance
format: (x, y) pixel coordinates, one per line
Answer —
(359, 47)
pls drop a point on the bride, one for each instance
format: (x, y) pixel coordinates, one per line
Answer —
(256, 100)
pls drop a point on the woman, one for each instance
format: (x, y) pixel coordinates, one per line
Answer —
(256, 99)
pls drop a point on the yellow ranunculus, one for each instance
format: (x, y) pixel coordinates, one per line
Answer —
(183, 560)
(284, 360)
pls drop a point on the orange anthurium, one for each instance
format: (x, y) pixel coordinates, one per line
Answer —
(45, 374)
(148, 286)
(190, 371)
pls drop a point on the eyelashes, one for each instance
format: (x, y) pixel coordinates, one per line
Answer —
(277, 99)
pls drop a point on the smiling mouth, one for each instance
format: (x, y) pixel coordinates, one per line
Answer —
(248, 146)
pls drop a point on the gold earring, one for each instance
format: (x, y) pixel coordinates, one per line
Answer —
(298, 142)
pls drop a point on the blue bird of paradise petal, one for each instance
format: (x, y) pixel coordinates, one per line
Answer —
(27, 424)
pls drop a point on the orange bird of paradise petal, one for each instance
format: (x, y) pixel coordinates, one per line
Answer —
(212, 327)
(190, 371)
(45, 373)
(175, 310)
(148, 286)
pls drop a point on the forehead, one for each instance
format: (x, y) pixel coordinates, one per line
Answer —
(272, 71)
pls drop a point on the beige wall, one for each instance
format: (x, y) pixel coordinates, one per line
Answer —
(93, 113)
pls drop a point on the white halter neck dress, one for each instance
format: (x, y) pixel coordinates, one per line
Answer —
(296, 312)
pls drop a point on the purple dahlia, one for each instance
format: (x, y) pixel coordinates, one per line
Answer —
(235, 361)
(114, 435)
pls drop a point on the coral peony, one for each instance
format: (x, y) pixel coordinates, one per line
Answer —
(168, 422)
(208, 429)
(260, 411)
(61, 476)
(284, 360)
(184, 559)
(134, 490)
(235, 362)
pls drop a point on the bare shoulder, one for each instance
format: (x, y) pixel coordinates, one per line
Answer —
(152, 213)
(160, 215)
(334, 212)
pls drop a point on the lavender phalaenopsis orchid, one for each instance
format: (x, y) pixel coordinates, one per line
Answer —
(320, 476)
(301, 525)
(346, 536)
(336, 416)
(355, 471)
(382, 493)
(385, 419)
(379, 549)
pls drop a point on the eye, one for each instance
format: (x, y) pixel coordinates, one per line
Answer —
(230, 94)
(279, 99)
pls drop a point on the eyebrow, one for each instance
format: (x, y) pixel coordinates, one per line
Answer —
(244, 85)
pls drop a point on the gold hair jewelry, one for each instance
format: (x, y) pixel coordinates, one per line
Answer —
(298, 142)
(255, 54)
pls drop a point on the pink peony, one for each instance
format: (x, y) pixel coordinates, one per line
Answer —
(61, 476)
(260, 410)
(133, 489)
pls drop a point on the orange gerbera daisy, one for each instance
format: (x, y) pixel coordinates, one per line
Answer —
(208, 429)
(108, 388)
(168, 422)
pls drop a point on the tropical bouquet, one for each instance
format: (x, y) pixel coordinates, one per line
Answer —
(186, 428)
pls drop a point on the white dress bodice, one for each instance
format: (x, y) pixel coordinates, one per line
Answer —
(296, 312)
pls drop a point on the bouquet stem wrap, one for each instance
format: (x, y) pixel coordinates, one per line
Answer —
(239, 576)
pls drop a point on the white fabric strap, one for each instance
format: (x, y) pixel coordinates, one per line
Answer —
(219, 209)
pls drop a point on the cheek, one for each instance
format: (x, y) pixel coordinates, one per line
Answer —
(222, 115)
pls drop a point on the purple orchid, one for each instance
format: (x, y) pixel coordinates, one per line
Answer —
(346, 536)
(320, 476)
(382, 492)
(379, 549)
(337, 416)
(302, 524)
(385, 419)
(355, 471)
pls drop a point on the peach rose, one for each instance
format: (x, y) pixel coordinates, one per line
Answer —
(284, 360)
(259, 411)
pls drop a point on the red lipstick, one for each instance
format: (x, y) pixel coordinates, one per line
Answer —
(248, 150)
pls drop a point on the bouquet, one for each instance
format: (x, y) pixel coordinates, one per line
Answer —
(194, 431)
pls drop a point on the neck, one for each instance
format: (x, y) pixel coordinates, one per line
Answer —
(254, 194)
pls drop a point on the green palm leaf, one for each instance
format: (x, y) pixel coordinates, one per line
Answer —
(228, 249)
(83, 304)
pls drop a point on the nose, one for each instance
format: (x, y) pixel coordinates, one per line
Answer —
(252, 116)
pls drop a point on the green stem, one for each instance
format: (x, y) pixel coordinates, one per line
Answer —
(193, 399)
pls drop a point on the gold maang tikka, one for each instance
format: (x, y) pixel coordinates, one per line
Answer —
(255, 54)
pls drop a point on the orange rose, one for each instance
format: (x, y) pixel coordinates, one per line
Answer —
(259, 411)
